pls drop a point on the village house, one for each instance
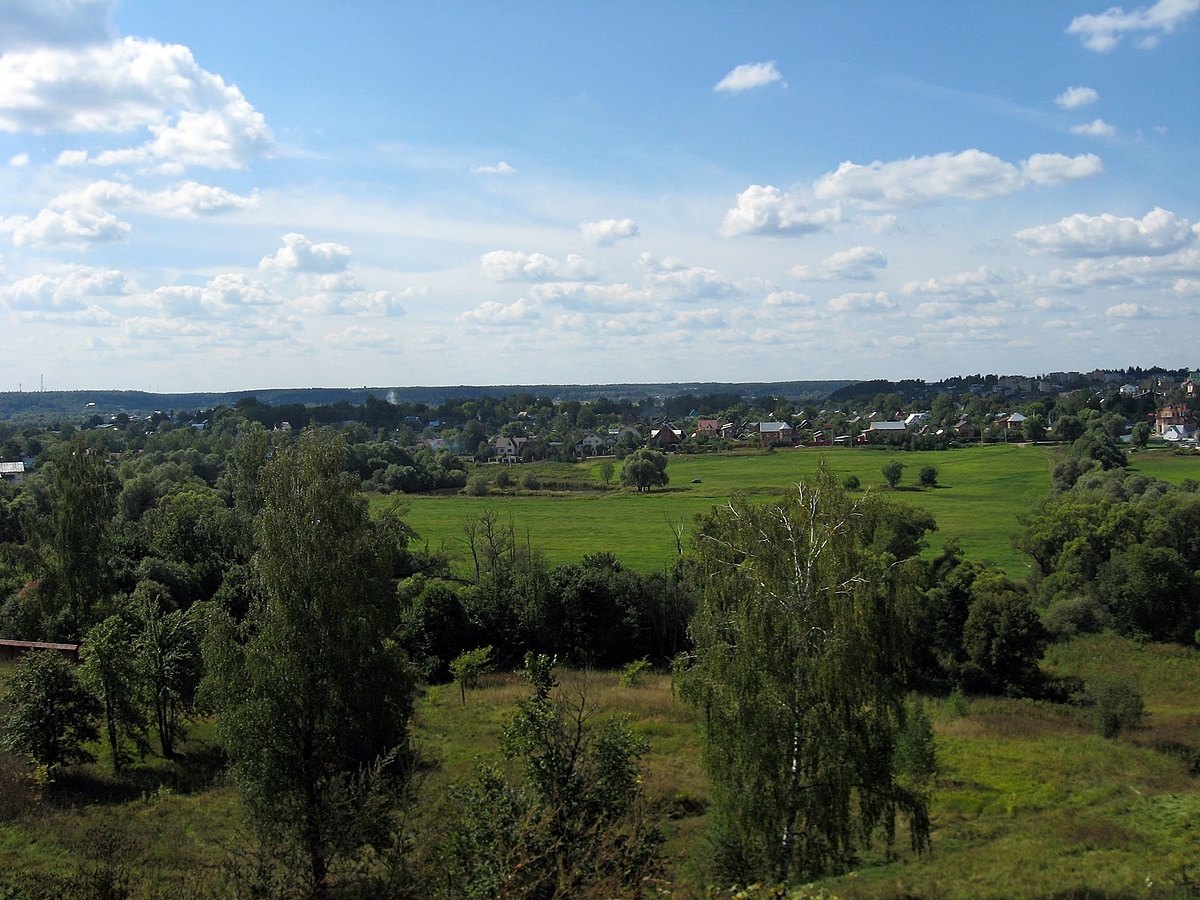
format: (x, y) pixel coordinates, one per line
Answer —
(665, 436)
(1175, 422)
(12, 471)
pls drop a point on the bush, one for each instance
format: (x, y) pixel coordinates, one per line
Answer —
(928, 476)
(631, 675)
(851, 483)
(477, 486)
(503, 479)
(1116, 704)
(530, 482)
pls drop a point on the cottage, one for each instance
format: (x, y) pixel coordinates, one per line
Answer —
(12, 471)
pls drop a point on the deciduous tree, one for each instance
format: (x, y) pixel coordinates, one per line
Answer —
(318, 693)
(800, 643)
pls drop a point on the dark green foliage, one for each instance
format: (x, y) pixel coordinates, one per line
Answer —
(110, 671)
(892, 473)
(1003, 640)
(644, 469)
(799, 644)
(928, 476)
(51, 714)
(1118, 549)
(851, 483)
(170, 664)
(312, 693)
(574, 827)
(1116, 704)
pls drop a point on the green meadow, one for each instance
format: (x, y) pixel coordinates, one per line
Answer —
(980, 495)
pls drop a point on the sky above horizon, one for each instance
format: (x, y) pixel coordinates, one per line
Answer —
(227, 196)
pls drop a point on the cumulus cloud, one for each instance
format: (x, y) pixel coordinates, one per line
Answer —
(1187, 287)
(301, 255)
(1095, 128)
(500, 168)
(1102, 32)
(855, 264)
(514, 265)
(607, 232)
(193, 117)
(1125, 311)
(981, 283)
(69, 227)
(19, 161)
(749, 75)
(1050, 169)
(1075, 97)
(492, 313)
(1158, 232)
(768, 210)
(70, 292)
(786, 299)
(221, 297)
(672, 279)
(861, 301)
(969, 175)
(69, 159)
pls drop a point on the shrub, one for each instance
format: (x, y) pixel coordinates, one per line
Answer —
(1116, 704)
(851, 483)
(503, 479)
(477, 486)
(530, 482)
(928, 476)
(631, 675)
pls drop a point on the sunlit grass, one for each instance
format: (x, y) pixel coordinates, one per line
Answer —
(980, 495)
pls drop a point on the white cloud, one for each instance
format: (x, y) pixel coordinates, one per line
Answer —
(607, 232)
(861, 301)
(1158, 232)
(193, 116)
(1050, 169)
(1095, 128)
(671, 279)
(787, 299)
(768, 210)
(223, 296)
(1075, 97)
(1102, 32)
(492, 313)
(64, 293)
(969, 175)
(1187, 287)
(514, 265)
(71, 227)
(19, 161)
(749, 75)
(71, 158)
(500, 168)
(855, 264)
(975, 284)
(299, 254)
(1125, 311)
(40, 23)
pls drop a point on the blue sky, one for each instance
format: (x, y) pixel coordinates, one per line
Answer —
(229, 196)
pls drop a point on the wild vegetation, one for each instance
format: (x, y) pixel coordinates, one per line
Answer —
(287, 689)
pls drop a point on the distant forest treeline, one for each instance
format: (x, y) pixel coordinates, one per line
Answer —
(71, 404)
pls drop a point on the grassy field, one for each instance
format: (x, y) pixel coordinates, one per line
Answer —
(980, 494)
(1028, 801)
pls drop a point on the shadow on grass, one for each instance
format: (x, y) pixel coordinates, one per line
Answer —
(188, 773)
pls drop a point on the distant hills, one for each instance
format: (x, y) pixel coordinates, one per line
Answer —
(76, 404)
